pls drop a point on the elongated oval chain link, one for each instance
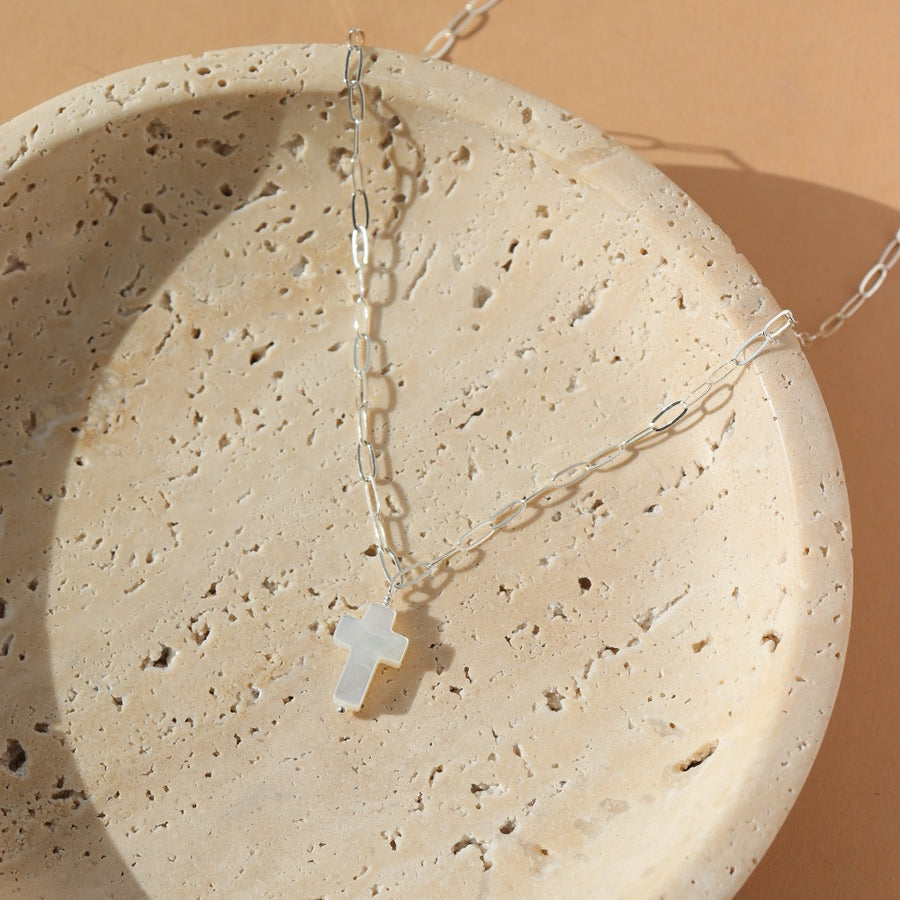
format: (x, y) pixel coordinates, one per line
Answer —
(442, 42)
(572, 474)
(366, 462)
(401, 576)
(869, 286)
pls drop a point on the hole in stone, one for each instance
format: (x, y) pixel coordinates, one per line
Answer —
(508, 827)
(15, 757)
(481, 295)
(220, 148)
(462, 843)
(554, 700)
(158, 130)
(260, 353)
(199, 630)
(462, 156)
(584, 583)
(166, 655)
(295, 145)
(699, 757)
(771, 640)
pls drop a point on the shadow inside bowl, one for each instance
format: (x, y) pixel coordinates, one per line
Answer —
(93, 226)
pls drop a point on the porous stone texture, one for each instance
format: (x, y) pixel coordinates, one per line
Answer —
(620, 696)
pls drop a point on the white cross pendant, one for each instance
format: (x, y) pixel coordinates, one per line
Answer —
(371, 640)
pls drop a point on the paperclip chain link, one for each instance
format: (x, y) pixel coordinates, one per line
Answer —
(362, 310)
(442, 42)
(570, 475)
(401, 576)
(869, 286)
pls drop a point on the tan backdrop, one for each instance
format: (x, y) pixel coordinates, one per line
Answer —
(782, 121)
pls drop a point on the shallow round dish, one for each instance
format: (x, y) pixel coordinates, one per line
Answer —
(619, 696)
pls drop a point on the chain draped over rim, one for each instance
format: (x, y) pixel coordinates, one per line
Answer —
(400, 576)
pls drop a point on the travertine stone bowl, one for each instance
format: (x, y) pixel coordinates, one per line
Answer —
(618, 697)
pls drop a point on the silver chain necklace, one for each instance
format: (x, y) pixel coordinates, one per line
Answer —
(371, 640)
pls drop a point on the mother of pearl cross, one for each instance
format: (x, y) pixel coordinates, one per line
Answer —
(371, 640)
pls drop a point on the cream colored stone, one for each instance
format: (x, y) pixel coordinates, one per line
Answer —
(619, 697)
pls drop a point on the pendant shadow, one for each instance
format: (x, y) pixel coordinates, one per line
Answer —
(393, 691)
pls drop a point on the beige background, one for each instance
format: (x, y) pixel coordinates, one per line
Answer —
(782, 121)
